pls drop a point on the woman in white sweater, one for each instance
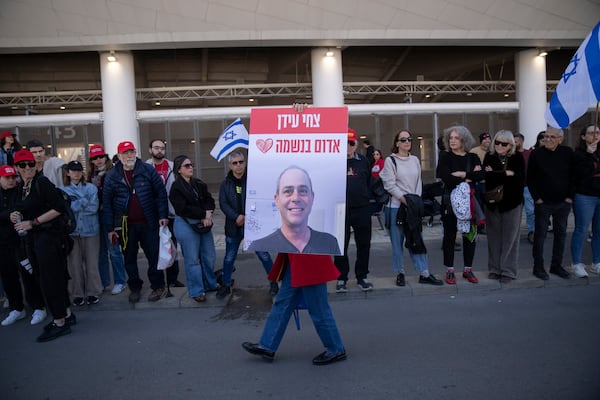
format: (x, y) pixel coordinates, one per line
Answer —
(401, 175)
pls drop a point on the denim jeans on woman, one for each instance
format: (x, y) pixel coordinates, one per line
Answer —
(587, 211)
(397, 238)
(199, 257)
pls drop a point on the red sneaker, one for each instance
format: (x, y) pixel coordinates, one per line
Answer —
(450, 278)
(468, 275)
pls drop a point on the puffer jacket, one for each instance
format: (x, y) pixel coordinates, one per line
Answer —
(84, 203)
(229, 206)
(148, 187)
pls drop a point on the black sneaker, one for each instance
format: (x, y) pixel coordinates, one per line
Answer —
(541, 274)
(340, 287)
(400, 280)
(223, 292)
(78, 301)
(54, 332)
(560, 271)
(431, 280)
(273, 289)
(156, 294)
(364, 285)
(134, 296)
(70, 320)
(93, 299)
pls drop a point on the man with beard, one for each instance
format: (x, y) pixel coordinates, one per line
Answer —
(134, 206)
(164, 168)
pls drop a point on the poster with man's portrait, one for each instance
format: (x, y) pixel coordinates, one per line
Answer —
(296, 187)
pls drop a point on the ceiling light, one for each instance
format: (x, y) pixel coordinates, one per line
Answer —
(542, 53)
(329, 53)
(111, 57)
(250, 100)
(63, 107)
(506, 94)
(193, 141)
(157, 103)
(427, 96)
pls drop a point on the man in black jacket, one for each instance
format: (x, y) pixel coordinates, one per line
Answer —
(358, 217)
(232, 201)
(549, 177)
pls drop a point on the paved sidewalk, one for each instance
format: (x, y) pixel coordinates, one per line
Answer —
(249, 275)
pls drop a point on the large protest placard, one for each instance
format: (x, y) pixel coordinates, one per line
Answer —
(296, 187)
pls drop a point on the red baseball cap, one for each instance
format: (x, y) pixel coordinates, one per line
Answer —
(23, 155)
(7, 170)
(96, 150)
(352, 134)
(125, 146)
(6, 134)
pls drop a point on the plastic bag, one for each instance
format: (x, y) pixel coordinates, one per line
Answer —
(166, 250)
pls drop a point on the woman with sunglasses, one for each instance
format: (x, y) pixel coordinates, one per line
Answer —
(504, 166)
(586, 204)
(455, 166)
(39, 204)
(401, 176)
(99, 165)
(194, 204)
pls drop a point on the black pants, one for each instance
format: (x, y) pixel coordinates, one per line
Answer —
(449, 240)
(49, 261)
(10, 269)
(560, 213)
(146, 237)
(359, 219)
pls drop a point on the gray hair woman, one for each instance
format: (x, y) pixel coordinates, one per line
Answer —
(504, 170)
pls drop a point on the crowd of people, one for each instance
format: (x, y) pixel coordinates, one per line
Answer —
(119, 207)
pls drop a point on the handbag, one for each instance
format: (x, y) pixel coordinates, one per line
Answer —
(381, 195)
(198, 226)
(496, 194)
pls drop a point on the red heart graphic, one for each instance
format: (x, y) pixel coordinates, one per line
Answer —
(264, 145)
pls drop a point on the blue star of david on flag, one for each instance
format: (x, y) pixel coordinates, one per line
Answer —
(233, 137)
(579, 87)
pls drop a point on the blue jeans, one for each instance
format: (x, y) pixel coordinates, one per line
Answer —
(116, 260)
(529, 210)
(397, 238)
(587, 211)
(146, 237)
(232, 245)
(199, 257)
(288, 298)
(543, 212)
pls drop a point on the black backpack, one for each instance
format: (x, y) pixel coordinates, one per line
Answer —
(65, 222)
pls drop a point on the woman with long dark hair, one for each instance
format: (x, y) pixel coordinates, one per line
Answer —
(194, 205)
(8, 146)
(586, 204)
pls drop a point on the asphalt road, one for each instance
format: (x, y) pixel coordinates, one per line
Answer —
(525, 343)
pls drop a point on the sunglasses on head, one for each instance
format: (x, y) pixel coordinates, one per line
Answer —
(503, 144)
(23, 164)
(405, 139)
(188, 165)
(351, 142)
(240, 162)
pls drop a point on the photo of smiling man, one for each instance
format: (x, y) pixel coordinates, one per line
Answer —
(294, 198)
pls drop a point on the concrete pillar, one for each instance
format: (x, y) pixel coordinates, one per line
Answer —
(327, 81)
(118, 101)
(530, 81)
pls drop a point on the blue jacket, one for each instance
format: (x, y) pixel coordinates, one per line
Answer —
(84, 203)
(148, 187)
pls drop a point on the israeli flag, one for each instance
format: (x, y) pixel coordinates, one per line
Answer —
(579, 86)
(234, 136)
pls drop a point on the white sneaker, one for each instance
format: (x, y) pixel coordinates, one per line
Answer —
(13, 317)
(38, 316)
(118, 288)
(579, 270)
(595, 268)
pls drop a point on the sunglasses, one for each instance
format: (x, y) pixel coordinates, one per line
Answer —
(405, 139)
(96, 158)
(351, 142)
(188, 165)
(240, 162)
(503, 144)
(24, 164)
